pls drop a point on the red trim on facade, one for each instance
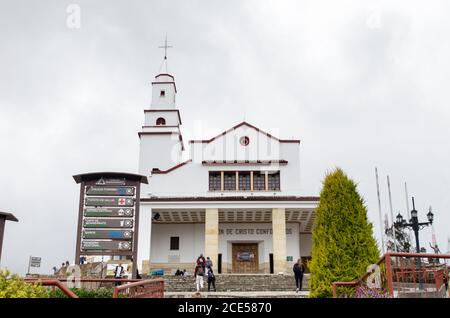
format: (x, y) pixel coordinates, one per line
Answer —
(161, 126)
(248, 125)
(164, 110)
(156, 133)
(240, 162)
(233, 198)
(165, 74)
(157, 171)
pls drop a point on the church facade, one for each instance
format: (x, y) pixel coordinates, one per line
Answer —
(237, 199)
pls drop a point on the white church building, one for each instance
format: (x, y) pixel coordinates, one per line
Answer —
(237, 199)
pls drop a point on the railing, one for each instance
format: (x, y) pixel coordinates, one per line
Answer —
(400, 275)
(54, 283)
(133, 288)
(149, 288)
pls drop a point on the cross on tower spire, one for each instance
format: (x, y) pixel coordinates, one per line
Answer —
(165, 47)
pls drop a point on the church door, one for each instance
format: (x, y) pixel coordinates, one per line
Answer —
(245, 257)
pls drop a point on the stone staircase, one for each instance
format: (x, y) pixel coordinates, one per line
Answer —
(263, 294)
(237, 283)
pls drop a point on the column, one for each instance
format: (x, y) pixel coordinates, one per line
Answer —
(279, 240)
(144, 242)
(212, 235)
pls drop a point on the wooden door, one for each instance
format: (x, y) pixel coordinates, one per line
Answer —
(245, 257)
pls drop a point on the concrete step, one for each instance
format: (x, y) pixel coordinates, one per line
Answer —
(238, 283)
(261, 294)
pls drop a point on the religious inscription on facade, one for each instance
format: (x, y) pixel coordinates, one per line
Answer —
(250, 231)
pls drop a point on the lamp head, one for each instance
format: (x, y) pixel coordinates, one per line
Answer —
(430, 216)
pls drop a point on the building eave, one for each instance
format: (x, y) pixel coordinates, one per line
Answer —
(8, 216)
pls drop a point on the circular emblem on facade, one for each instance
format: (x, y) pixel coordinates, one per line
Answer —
(244, 141)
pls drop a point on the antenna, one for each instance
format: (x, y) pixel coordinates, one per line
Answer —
(392, 215)
(379, 212)
(408, 212)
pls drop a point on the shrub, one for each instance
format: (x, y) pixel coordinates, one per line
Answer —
(343, 243)
(12, 286)
(85, 293)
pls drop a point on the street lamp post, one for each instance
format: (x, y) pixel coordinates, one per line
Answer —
(416, 226)
(414, 223)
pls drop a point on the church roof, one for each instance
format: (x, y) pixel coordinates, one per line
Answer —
(244, 123)
(157, 171)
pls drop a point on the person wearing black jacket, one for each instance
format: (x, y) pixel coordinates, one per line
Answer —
(298, 269)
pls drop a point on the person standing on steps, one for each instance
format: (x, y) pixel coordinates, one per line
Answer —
(198, 274)
(211, 279)
(298, 269)
(209, 263)
(118, 274)
(202, 262)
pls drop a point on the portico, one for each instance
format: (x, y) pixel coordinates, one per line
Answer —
(240, 236)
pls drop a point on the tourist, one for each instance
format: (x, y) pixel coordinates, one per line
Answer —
(118, 273)
(178, 272)
(209, 263)
(298, 269)
(55, 270)
(67, 263)
(82, 260)
(211, 279)
(201, 261)
(198, 274)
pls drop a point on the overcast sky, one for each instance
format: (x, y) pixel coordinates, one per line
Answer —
(363, 84)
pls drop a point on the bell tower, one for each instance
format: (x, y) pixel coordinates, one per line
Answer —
(161, 142)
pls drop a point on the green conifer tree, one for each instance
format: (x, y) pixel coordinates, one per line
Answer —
(343, 243)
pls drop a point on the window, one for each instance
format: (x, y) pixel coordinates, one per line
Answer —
(274, 180)
(214, 181)
(244, 141)
(162, 93)
(259, 181)
(160, 121)
(229, 182)
(244, 180)
(174, 243)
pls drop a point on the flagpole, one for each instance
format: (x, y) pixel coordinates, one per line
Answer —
(379, 212)
(392, 215)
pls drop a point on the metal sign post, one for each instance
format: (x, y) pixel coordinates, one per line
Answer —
(108, 216)
(33, 262)
(4, 216)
